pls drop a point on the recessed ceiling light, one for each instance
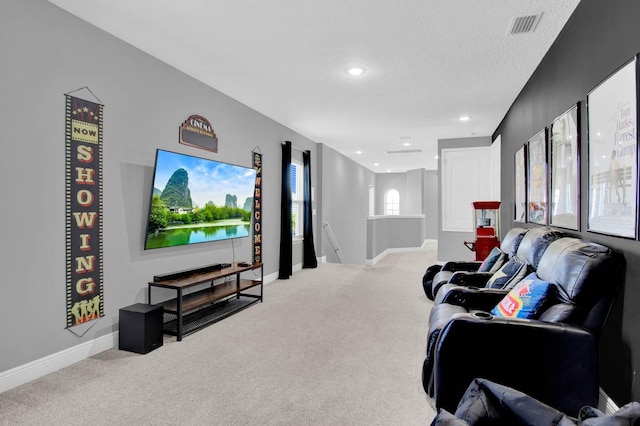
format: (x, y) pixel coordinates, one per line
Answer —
(465, 118)
(406, 144)
(376, 164)
(388, 170)
(358, 152)
(436, 157)
(355, 71)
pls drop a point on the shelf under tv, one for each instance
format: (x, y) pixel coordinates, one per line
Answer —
(224, 296)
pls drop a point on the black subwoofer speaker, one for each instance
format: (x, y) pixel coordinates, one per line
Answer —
(140, 328)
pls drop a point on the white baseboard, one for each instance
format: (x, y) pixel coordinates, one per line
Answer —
(606, 404)
(427, 241)
(388, 251)
(270, 278)
(41, 367)
(382, 255)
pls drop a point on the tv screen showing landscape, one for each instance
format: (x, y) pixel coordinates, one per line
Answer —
(196, 200)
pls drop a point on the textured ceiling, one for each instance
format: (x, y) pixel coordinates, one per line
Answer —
(427, 63)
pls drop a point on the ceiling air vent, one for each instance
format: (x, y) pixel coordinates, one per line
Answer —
(524, 24)
(404, 151)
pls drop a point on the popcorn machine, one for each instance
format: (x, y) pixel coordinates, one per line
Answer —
(487, 228)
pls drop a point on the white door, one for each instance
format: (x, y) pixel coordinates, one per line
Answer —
(466, 178)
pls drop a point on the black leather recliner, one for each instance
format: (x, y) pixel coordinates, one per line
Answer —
(488, 403)
(457, 299)
(438, 275)
(462, 286)
(553, 358)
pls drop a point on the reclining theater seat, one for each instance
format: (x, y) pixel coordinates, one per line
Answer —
(529, 251)
(437, 275)
(486, 402)
(459, 300)
(553, 357)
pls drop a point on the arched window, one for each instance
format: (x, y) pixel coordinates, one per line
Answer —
(392, 202)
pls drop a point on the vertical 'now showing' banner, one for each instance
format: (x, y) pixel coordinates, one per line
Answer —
(83, 143)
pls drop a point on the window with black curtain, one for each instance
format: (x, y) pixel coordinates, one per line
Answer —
(286, 259)
(309, 259)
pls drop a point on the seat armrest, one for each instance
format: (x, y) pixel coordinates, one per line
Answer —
(468, 266)
(482, 299)
(470, 279)
(477, 279)
(552, 362)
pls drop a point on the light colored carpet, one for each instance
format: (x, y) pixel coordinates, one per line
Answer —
(336, 345)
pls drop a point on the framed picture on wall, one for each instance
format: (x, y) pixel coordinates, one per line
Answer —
(537, 211)
(520, 182)
(564, 195)
(613, 158)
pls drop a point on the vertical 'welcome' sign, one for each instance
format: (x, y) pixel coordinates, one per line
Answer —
(83, 143)
(257, 208)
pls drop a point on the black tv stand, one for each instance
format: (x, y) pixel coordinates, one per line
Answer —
(223, 297)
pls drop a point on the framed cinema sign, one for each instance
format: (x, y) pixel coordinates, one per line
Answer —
(197, 131)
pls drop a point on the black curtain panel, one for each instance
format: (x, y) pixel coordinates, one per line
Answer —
(309, 252)
(286, 258)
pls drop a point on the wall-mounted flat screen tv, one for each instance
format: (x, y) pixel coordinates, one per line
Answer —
(196, 200)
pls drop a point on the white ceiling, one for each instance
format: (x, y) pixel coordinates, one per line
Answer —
(427, 63)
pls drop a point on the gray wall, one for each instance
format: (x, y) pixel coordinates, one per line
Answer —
(451, 244)
(386, 181)
(345, 205)
(393, 232)
(432, 205)
(415, 194)
(418, 196)
(48, 52)
(599, 37)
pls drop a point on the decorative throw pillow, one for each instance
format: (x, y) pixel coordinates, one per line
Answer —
(490, 260)
(502, 259)
(512, 271)
(519, 276)
(524, 300)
